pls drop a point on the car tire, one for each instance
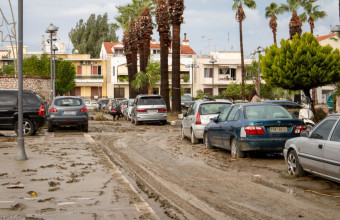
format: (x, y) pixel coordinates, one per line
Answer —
(163, 122)
(294, 167)
(194, 140)
(207, 143)
(235, 150)
(85, 128)
(137, 122)
(132, 121)
(28, 127)
(50, 127)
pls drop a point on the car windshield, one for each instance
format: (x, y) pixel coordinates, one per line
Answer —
(212, 108)
(68, 102)
(87, 101)
(186, 98)
(151, 101)
(266, 112)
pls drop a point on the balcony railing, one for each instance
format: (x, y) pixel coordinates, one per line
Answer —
(85, 77)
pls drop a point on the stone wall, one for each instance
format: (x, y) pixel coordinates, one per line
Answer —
(38, 84)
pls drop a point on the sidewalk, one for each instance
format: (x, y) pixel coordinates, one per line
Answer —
(67, 176)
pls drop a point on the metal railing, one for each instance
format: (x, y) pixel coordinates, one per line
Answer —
(89, 77)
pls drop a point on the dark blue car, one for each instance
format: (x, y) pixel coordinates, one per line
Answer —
(248, 127)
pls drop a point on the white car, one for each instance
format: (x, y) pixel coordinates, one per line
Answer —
(317, 152)
(198, 116)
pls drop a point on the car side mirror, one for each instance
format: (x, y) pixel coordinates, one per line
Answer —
(215, 119)
(185, 114)
(304, 134)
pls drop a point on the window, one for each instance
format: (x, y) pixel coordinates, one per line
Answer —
(223, 71)
(224, 114)
(233, 74)
(212, 108)
(151, 101)
(208, 72)
(323, 130)
(79, 70)
(8, 98)
(336, 133)
(207, 91)
(187, 90)
(96, 70)
(233, 114)
(68, 102)
(30, 99)
(266, 112)
(156, 51)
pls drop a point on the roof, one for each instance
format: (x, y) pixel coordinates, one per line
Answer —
(321, 38)
(185, 49)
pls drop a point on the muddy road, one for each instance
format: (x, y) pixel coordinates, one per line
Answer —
(187, 181)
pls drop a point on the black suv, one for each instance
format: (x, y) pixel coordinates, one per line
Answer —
(34, 111)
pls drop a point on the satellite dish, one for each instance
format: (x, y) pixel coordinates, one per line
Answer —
(76, 51)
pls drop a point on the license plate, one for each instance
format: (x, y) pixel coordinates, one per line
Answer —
(278, 129)
(152, 111)
(69, 112)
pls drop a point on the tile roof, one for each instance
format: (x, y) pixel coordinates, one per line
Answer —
(109, 45)
(321, 38)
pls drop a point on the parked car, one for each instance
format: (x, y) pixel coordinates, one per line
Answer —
(247, 127)
(67, 111)
(101, 103)
(90, 104)
(297, 111)
(198, 116)
(127, 110)
(149, 108)
(34, 111)
(316, 152)
(107, 107)
(186, 101)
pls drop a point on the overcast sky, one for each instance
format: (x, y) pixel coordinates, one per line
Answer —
(210, 24)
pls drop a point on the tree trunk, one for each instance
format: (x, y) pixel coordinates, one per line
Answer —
(242, 61)
(273, 26)
(142, 66)
(164, 72)
(176, 58)
(150, 90)
(146, 43)
(315, 95)
(134, 69)
(307, 94)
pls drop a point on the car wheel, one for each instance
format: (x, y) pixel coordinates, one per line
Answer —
(136, 122)
(163, 122)
(309, 127)
(85, 128)
(207, 142)
(28, 127)
(235, 150)
(194, 140)
(50, 127)
(293, 164)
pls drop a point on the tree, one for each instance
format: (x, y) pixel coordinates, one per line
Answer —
(253, 69)
(162, 18)
(301, 64)
(87, 37)
(233, 92)
(271, 12)
(176, 9)
(65, 75)
(312, 12)
(295, 24)
(240, 16)
(133, 50)
(150, 78)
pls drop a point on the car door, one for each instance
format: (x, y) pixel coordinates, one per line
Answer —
(312, 151)
(215, 130)
(8, 108)
(187, 120)
(332, 154)
(229, 126)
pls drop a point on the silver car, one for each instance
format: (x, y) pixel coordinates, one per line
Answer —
(67, 111)
(198, 116)
(317, 152)
(149, 108)
(128, 108)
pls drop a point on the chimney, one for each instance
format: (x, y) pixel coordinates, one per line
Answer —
(185, 41)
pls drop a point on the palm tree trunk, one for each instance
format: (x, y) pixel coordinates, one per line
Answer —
(242, 61)
(150, 90)
(164, 72)
(146, 46)
(176, 53)
(133, 92)
(142, 66)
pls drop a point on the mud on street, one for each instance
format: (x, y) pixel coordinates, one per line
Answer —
(187, 181)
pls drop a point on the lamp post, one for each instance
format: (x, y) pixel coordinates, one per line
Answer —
(192, 66)
(54, 48)
(51, 30)
(259, 50)
(212, 60)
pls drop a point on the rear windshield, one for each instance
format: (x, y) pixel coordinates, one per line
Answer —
(266, 112)
(186, 98)
(151, 101)
(68, 102)
(212, 108)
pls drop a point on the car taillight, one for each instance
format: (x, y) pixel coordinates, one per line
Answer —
(114, 111)
(198, 119)
(162, 110)
(300, 128)
(83, 110)
(141, 110)
(51, 110)
(254, 130)
(42, 110)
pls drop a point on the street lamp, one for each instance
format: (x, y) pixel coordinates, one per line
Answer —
(192, 66)
(212, 60)
(54, 48)
(51, 30)
(259, 50)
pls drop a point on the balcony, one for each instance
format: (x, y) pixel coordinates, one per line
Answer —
(89, 78)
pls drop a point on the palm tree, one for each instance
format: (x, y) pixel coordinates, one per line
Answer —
(240, 16)
(253, 69)
(176, 9)
(150, 78)
(312, 12)
(295, 24)
(162, 18)
(133, 50)
(127, 53)
(271, 12)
